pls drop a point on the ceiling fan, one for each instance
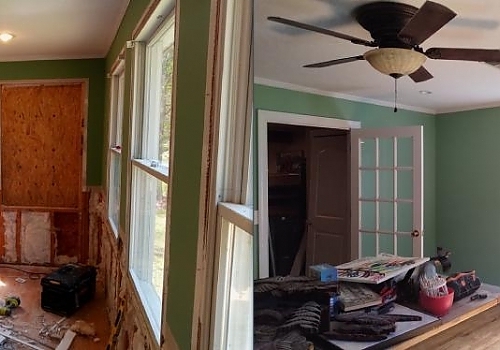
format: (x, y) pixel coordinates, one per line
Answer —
(397, 31)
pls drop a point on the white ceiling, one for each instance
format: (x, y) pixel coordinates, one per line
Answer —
(281, 51)
(59, 29)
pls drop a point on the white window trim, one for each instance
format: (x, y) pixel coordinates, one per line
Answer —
(240, 216)
(146, 292)
(116, 113)
(225, 175)
(162, 18)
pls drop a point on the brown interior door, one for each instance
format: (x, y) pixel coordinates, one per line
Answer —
(328, 236)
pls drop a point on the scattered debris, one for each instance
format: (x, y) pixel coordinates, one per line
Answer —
(83, 328)
(30, 344)
(54, 331)
(7, 324)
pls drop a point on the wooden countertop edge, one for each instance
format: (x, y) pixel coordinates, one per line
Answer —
(444, 325)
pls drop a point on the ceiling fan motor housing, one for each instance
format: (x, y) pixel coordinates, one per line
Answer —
(384, 20)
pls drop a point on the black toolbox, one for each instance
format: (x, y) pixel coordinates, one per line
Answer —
(68, 288)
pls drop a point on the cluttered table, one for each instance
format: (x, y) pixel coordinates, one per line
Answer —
(345, 307)
(409, 334)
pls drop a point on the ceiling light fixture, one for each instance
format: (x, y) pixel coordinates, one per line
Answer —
(395, 62)
(5, 37)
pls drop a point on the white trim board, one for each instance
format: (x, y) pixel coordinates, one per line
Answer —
(293, 87)
(264, 118)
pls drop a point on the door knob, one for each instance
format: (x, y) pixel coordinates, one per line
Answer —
(415, 233)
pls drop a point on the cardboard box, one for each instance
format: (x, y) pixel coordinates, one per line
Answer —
(323, 272)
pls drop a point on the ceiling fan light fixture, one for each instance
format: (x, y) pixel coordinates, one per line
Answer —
(395, 62)
(6, 37)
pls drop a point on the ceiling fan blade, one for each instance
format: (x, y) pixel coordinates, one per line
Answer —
(305, 26)
(429, 19)
(420, 75)
(334, 62)
(478, 55)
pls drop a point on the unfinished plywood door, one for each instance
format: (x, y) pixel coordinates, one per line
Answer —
(328, 236)
(42, 141)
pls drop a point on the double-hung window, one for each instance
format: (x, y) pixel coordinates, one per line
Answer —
(115, 144)
(150, 168)
(233, 298)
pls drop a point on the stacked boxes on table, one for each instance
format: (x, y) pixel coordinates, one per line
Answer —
(326, 273)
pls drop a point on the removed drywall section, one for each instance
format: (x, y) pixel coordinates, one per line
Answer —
(67, 245)
(35, 237)
(111, 254)
(96, 211)
(9, 232)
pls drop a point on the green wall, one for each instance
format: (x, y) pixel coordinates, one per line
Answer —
(187, 151)
(370, 116)
(91, 69)
(468, 190)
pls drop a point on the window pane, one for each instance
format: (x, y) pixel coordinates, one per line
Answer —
(405, 184)
(114, 190)
(114, 159)
(119, 109)
(405, 245)
(156, 135)
(386, 152)
(386, 243)
(405, 151)
(166, 104)
(386, 216)
(367, 153)
(368, 184)
(147, 248)
(367, 215)
(405, 217)
(234, 288)
(151, 147)
(386, 184)
(239, 331)
(368, 244)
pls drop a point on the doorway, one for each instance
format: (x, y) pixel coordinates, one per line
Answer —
(304, 196)
(384, 186)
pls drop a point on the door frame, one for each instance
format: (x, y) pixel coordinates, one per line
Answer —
(264, 118)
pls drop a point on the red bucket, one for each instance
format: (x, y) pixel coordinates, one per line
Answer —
(438, 306)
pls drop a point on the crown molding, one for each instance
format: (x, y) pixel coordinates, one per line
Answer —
(293, 87)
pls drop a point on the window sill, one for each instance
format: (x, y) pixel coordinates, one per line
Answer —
(152, 309)
(153, 168)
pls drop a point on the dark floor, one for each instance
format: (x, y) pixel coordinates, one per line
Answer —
(28, 319)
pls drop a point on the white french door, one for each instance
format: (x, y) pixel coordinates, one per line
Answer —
(387, 190)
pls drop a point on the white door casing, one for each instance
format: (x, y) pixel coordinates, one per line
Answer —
(264, 118)
(387, 191)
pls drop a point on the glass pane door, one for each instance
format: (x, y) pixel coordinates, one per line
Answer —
(387, 191)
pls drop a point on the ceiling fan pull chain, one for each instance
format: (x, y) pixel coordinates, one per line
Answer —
(395, 95)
